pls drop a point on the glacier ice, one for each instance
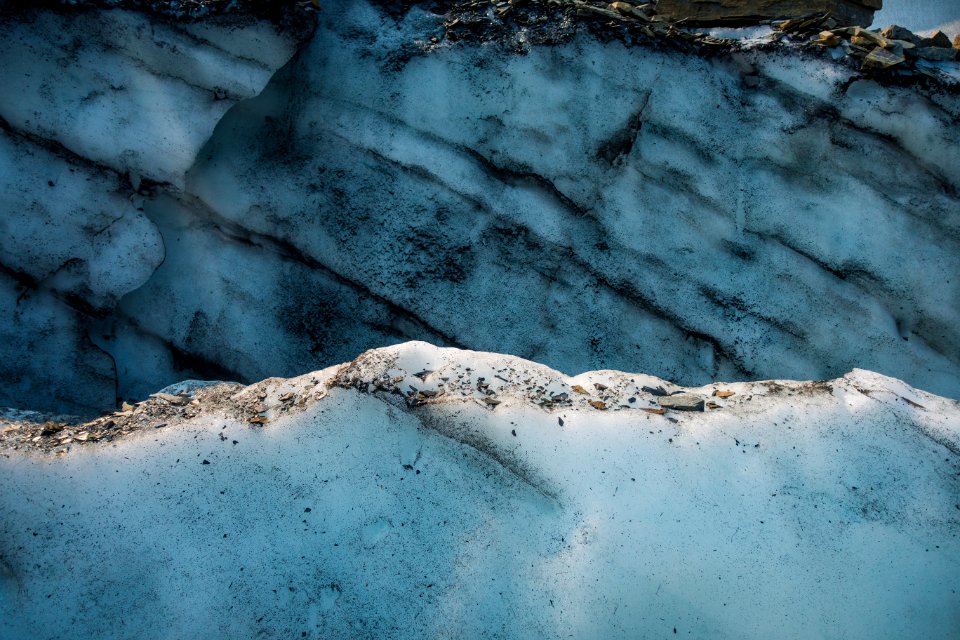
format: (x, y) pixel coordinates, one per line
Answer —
(756, 214)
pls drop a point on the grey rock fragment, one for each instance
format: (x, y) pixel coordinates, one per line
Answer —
(883, 59)
(178, 401)
(682, 402)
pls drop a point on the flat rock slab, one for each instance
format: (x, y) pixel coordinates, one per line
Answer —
(682, 402)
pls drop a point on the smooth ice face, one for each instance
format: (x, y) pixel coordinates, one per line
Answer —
(389, 498)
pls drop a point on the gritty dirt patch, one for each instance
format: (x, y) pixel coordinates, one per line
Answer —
(256, 405)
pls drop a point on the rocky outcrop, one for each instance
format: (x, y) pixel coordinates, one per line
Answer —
(746, 12)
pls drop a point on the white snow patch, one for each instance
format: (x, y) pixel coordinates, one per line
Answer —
(806, 510)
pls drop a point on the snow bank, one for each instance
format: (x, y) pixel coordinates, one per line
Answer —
(365, 508)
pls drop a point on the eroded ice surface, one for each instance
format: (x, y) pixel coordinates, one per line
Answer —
(762, 214)
(387, 498)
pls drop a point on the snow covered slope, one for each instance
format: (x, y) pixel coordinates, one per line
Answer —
(420, 492)
(755, 214)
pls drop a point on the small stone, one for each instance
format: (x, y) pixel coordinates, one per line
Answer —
(578, 389)
(287, 397)
(126, 407)
(598, 404)
(867, 39)
(723, 394)
(658, 412)
(259, 420)
(600, 387)
(50, 428)
(828, 39)
(682, 402)
(491, 402)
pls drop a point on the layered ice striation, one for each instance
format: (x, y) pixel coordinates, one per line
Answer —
(756, 214)
(419, 492)
(100, 105)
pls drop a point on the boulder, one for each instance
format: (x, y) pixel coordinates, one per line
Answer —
(896, 32)
(938, 39)
(883, 59)
(748, 12)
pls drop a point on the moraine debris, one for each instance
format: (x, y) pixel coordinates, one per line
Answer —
(833, 27)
